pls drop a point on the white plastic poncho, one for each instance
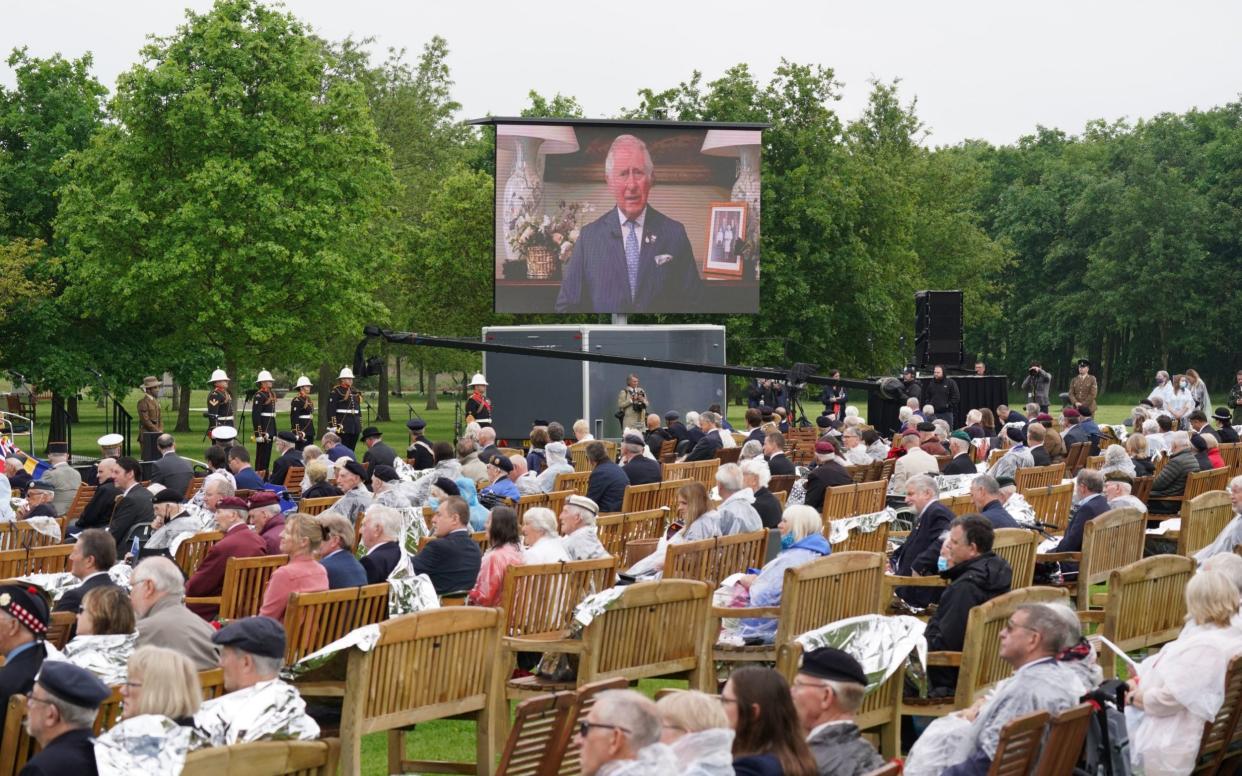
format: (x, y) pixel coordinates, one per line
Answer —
(268, 710)
(654, 760)
(705, 753)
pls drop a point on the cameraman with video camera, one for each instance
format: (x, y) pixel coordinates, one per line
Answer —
(1036, 386)
(632, 404)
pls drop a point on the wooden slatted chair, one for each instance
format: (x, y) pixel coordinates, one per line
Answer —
(576, 481)
(843, 584)
(245, 581)
(59, 627)
(51, 559)
(191, 552)
(406, 679)
(1231, 454)
(654, 629)
(979, 663)
(20, 535)
(959, 505)
(859, 541)
(838, 502)
(1076, 457)
(293, 481)
(578, 457)
(1222, 735)
(729, 454)
(538, 723)
(109, 712)
(1203, 518)
(266, 758)
(557, 498)
(1146, 605)
(1067, 734)
(1051, 503)
(1030, 477)
(16, 745)
(668, 451)
(641, 497)
(315, 506)
(81, 498)
(1019, 745)
(539, 600)
(196, 484)
(313, 620)
(563, 750)
(1198, 483)
(530, 501)
(610, 528)
(711, 560)
(1142, 487)
(782, 483)
(1110, 541)
(994, 456)
(1018, 547)
(1094, 462)
(700, 471)
(858, 473)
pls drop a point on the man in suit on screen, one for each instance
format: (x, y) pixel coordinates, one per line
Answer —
(633, 258)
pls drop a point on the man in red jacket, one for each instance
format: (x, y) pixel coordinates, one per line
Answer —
(238, 542)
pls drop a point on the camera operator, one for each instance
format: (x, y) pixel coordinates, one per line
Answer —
(1036, 386)
(632, 404)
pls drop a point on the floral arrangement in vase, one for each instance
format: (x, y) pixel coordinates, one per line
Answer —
(545, 241)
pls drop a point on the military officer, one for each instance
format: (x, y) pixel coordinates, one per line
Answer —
(219, 401)
(478, 408)
(345, 408)
(1083, 388)
(302, 413)
(263, 420)
(419, 450)
(149, 418)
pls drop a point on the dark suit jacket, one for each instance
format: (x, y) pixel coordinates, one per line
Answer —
(756, 434)
(344, 570)
(920, 551)
(769, 508)
(173, 472)
(960, 464)
(70, 752)
(1086, 511)
(642, 471)
(779, 463)
(995, 511)
(21, 481)
(380, 562)
(758, 765)
(606, 486)
(1040, 456)
(134, 508)
(322, 490)
(248, 479)
(451, 561)
(208, 578)
(17, 675)
(705, 449)
(378, 453)
(98, 510)
(71, 601)
(826, 475)
(280, 468)
(597, 278)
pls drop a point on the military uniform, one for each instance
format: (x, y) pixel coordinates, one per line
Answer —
(219, 408)
(478, 407)
(345, 410)
(420, 452)
(302, 419)
(151, 425)
(263, 421)
(1083, 390)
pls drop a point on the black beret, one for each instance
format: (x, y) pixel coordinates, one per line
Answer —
(501, 462)
(371, 431)
(1015, 433)
(416, 424)
(539, 422)
(1005, 481)
(448, 486)
(1084, 410)
(288, 436)
(167, 496)
(633, 439)
(385, 472)
(355, 468)
(26, 605)
(256, 635)
(926, 426)
(72, 684)
(672, 415)
(834, 665)
(42, 485)
(823, 422)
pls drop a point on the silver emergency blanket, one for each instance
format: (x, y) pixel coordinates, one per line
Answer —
(363, 638)
(954, 484)
(880, 643)
(413, 528)
(840, 527)
(148, 743)
(1021, 511)
(270, 710)
(411, 593)
(195, 519)
(44, 525)
(104, 656)
(561, 666)
(56, 584)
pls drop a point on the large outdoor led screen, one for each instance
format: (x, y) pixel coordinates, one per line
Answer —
(611, 217)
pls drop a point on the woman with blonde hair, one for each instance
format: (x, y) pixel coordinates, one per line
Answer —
(696, 520)
(106, 634)
(1182, 687)
(695, 727)
(161, 681)
(802, 542)
(1198, 391)
(1136, 448)
(302, 574)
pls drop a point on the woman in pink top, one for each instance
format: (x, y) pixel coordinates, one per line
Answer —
(506, 551)
(302, 574)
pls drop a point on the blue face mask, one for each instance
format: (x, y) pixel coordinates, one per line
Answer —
(433, 502)
(942, 564)
(787, 541)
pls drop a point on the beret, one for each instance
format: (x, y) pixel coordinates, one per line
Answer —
(42, 485)
(926, 426)
(1005, 480)
(832, 664)
(962, 435)
(1015, 433)
(1043, 417)
(448, 486)
(72, 684)
(825, 446)
(385, 472)
(1197, 441)
(256, 635)
(416, 424)
(353, 467)
(539, 422)
(1070, 412)
(672, 415)
(1116, 475)
(1084, 410)
(26, 605)
(823, 422)
(500, 462)
(371, 431)
(287, 436)
(584, 503)
(232, 502)
(262, 498)
(167, 496)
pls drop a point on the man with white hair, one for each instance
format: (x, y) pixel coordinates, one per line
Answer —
(487, 445)
(638, 468)
(63, 477)
(468, 457)
(1171, 481)
(620, 736)
(579, 536)
(736, 510)
(582, 431)
(959, 450)
(920, 553)
(1117, 490)
(855, 452)
(1230, 536)
(19, 478)
(1156, 441)
(287, 455)
(755, 476)
(633, 258)
(156, 591)
(915, 461)
(707, 445)
(521, 476)
(381, 529)
(350, 476)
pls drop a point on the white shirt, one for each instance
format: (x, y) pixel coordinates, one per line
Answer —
(546, 550)
(638, 229)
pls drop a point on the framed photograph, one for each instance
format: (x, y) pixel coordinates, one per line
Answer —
(726, 229)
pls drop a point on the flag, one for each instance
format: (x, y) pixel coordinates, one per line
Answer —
(33, 466)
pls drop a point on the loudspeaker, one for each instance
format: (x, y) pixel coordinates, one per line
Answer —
(938, 328)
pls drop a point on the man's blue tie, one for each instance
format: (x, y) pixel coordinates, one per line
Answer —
(631, 258)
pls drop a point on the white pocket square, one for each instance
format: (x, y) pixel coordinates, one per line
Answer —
(663, 258)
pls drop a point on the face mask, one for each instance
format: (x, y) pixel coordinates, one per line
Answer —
(1185, 385)
(942, 564)
(787, 541)
(1159, 381)
(433, 502)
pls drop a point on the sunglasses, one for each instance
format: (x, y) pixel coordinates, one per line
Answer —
(584, 728)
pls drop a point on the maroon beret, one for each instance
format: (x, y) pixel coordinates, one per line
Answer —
(232, 502)
(263, 498)
(824, 446)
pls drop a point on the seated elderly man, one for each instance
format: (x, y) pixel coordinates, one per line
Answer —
(737, 507)
(266, 517)
(1230, 536)
(621, 737)
(986, 495)
(639, 469)
(19, 478)
(1089, 493)
(499, 468)
(920, 553)
(385, 487)
(381, 532)
(1016, 456)
(915, 461)
(38, 501)
(258, 706)
(855, 451)
(156, 591)
(336, 552)
(540, 541)
(286, 444)
(23, 626)
(1118, 489)
(523, 478)
(608, 482)
(238, 542)
(61, 709)
(452, 560)
(827, 692)
(1171, 481)
(959, 449)
(556, 453)
(578, 534)
(173, 519)
(350, 478)
(829, 472)
(755, 476)
(708, 442)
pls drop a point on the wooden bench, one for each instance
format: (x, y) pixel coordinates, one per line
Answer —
(21, 535)
(1051, 504)
(699, 471)
(49, 559)
(81, 498)
(245, 582)
(1067, 734)
(1030, 477)
(577, 482)
(1110, 541)
(196, 484)
(314, 620)
(617, 531)
(1222, 734)
(266, 758)
(529, 501)
(293, 481)
(711, 560)
(316, 506)
(1203, 518)
(1146, 605)
(191, 552)
(639, 498)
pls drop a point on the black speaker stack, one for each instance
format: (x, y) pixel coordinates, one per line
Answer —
(938, 329)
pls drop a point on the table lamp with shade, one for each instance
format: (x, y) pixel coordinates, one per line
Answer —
(743, 145)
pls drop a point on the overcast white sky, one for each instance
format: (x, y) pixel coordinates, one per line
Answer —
(991, 70)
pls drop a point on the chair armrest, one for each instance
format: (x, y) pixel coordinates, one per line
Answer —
(1055, 557)
(1095, 616)
(898, 534)
(893, 580)
(206, 600)
(722, 612)
(519, 644)
(944, 659)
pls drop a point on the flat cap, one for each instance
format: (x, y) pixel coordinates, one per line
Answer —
(262, 498)
(26, 605)
(385, 472)
(72, 684)
(416, 424)
(371, 431)
(832, 664)
(1116, 475)
(672, 415)
(167, 496)
(582, 502)
(256, 635)
(353, 467)
(633, 439)
(500, 462)
(42, 485)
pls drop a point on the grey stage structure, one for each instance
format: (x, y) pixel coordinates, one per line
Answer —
(525, 388)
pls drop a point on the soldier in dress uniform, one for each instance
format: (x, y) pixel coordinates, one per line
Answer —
(345, 409)
(150, 420)
(478, 408)
(419, 450)
(1083, 388)
(263, 421)
(219, 401)
(302, 413)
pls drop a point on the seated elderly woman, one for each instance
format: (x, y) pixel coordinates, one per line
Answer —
(1182, 687)
(540, 537)
(505, 550)
(107, 631)
(161, 681)
(555, 453)
(300, 540)
(802, 541)
(756, 476)
(1116, 459)
(315, 484)
(751, 450)
(695, 727)
(1136, 449)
